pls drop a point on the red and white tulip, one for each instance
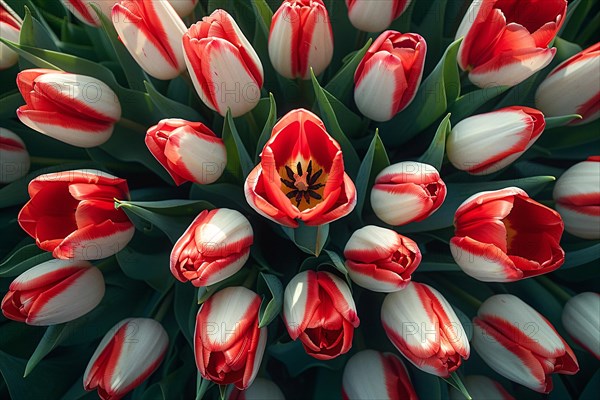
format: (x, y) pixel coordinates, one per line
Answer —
(520, 344)
(380, 259)
(425, 329)
(10, 29)
(301, 174)
(14, 157)
(151, 31)
(370, 374)
(189, 151)
(224, 68)
(54, 292)
(127, 355)
(83, 11)
(406, 192)
(214, 247)
(505, 236)
(72, 214)
(300, 38)
(581, 318)
(228, 343)
(506, 42)
(319, 310)
(183, 8)
(375, 16)
(261, 389)
(389, 74)
(75, 109)
(573, 87)
(481, 387)
(485, 143)
(577, 197)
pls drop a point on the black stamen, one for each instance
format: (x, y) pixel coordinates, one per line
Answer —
(307, 197)
(314, 194)
(298, 199)
(299, 168)
(288, 183)
(315, 177)
(309, 171)
(290, 173)
(292, 194)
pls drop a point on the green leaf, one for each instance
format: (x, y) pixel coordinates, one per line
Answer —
(9, 105)
(374, 162)
(435, 153)
(555, 122)
(309, 239)
(269, 310)
(351, 124)
(50, 340)
(433, 24)
(466, 105)
(342, 84)
(171, 108)
(23, 258)
(576, 258)
(455, 381)
(33, 33)
(239, 163)
(268, 128)
(296, 361)
(592, 388)
(149, 266)
(202, 386)
(262, 25)
(185, 307)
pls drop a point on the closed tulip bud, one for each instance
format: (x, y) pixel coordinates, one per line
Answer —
(380, 259)
(406, 192)
(224, 68)
(151, 31)
(573, 87)
(183, 8)
(505, 236)
(261, 389)
(75, 109)
(54, 292)
(485, 143)
(214, 247)
(319, 310)
(506, 42)
(520, 344)
(370, 374)
(72, 214)
(83, 11)
(10, 29)
(577, 197)
(481, 387)
(389, 74)
(581, 318)
(300, 38)
(375, 16)
(228, 343)
(425, 329)
(127, 355)
(14, 158)
(189, 151)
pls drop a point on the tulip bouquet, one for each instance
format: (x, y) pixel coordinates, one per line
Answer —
(299, 199)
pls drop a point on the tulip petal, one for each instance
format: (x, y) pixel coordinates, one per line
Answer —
(301, 299)
(485, 262)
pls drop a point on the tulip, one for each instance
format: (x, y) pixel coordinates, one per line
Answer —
(72, 214)
(573, 87)
(577, 197)
(10, 29)
(389, 74)
(481, 387)
(75, 109)
(14, 158)
(183, 8)
(318, 308)
(380, 259)
(301, 174)
(261, 389)
(127, 355)
(505, 236)
(224, 68)
(82, 9)
(375, 16)
(506, 42)
(151, 31)
(424, 328)
(406, 192)
(54, 292)
(581, 318)
(520, 344)
(189, 151)
(300, 39)
(485, 143)
(228, 343)
(214, 247)
(370, 374)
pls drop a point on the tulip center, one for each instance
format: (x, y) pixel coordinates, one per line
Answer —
(303, 184)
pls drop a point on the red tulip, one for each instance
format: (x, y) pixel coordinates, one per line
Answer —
(301, 174)
(72, 214)
(375, 16)
(10, 29)
(505, 236)
(581, 318)
(506, 41)
(82, 9)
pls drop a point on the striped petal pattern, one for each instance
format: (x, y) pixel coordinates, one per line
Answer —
(214, 247)
(14, 158)
(406, 192)
(425, 329)
(581, 318)
(375, 16)
(83, 11)
(520, 344)
(319, 310)
(127, 355)
(228, 344)
(72, 214)
(10, 29)
(54, 292)
(485, 143)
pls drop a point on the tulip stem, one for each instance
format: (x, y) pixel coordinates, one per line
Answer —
(361, 38)
(553, 288)
(252, 125)
(250, 280)
(132, 125)
(164, 307)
